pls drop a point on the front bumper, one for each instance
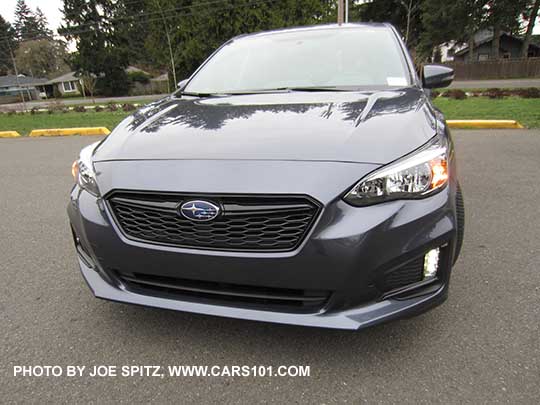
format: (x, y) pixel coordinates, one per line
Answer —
(354, 318)
(345, 252)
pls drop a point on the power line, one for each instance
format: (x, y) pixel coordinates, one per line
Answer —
(135, 17)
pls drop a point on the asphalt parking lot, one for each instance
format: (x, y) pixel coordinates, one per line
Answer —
(482, 345)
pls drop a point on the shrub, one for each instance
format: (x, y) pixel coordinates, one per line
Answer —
(435, 94)
(112, 107)
(128, 107)
(114, 81)
(34, 110)
(79, 108)
(495, 93)
(456, 94)
(531, 92)
(98, 108)
(55, 106)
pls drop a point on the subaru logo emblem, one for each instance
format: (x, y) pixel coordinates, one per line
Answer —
(198, 210)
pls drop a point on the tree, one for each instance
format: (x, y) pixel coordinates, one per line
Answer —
(403, 14)
(42, 58)
(196, 30)
(445, 21)
(100, 47)
(89, 84)
(26, 26)
(42, 24)
(411, 7)
(7, 45)
(531, 17)
(501, 16)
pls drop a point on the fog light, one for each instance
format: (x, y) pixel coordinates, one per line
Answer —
(431, 263)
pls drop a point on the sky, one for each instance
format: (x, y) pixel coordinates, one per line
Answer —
(51, 9)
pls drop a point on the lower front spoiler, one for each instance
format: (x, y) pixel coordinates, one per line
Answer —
(355, 318)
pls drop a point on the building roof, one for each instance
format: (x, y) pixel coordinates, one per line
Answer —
(489, 38)
(161, 78)
(133, 69)
(23, 81)
(68, 77)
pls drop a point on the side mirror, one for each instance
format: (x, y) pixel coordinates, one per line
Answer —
(435, 76)
(182, 84)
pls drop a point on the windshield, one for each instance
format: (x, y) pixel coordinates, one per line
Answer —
(320, 58)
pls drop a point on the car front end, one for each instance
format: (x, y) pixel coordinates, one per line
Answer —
(243, 205)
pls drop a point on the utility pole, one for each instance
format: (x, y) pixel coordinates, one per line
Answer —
(168, 35)
(346, 11)
(16, 74)
(340, 12)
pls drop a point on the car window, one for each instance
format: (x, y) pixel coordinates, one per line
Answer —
(341, 57)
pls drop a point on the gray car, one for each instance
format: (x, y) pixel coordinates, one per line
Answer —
(299, 176)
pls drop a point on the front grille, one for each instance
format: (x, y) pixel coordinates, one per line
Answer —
(268, 298)
(253, 223)
(409, 273)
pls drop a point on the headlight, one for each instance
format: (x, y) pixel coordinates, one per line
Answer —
(83, 170)
(417, 175)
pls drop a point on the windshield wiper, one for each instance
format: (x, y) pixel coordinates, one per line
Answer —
(308, 88)
(201, 95)
(262, 91)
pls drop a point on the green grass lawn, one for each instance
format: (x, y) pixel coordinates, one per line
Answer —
(24, 123)
(524, 110)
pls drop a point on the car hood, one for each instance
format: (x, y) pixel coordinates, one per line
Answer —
(374, 127)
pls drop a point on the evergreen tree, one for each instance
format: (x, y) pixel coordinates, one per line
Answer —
(7, 45)
(42, 25)
(26, 26)
(195, 30)
(101, 51)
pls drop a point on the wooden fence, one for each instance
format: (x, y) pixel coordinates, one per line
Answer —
(497, 69)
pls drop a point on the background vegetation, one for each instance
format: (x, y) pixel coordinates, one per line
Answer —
(177, 35)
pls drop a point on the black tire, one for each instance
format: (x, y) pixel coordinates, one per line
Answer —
(460, 211)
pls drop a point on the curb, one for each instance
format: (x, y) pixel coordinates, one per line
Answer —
(9, 134)
(70, 131)
(485, 124)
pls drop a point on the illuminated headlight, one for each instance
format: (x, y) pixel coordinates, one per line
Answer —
(417, 175)
(431, 263)
(83, 170)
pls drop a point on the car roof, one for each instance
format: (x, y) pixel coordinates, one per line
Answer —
(321, 27)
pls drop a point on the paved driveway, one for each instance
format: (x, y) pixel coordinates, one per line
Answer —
(481, 346)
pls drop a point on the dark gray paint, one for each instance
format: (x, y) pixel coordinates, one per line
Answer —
(317, 144)
(349, 127)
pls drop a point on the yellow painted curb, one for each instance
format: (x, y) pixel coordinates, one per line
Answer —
(70, 131)
(485, 124)
(9, 134)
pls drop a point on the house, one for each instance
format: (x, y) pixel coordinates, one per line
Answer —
(66, 85)
(13, 87)
(70, 84)
(509, 47)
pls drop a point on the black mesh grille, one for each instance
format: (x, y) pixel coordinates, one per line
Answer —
(237, 295)
(247, 222)
(411, 272)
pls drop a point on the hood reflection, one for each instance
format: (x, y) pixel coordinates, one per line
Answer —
(214, 113)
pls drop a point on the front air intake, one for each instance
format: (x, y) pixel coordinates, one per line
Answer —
(246, 223)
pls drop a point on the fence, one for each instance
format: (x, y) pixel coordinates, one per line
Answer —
(497, 69)
(152, 87)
